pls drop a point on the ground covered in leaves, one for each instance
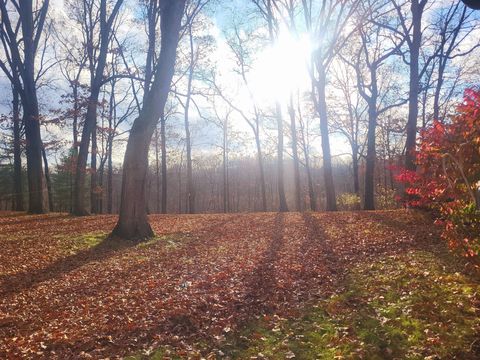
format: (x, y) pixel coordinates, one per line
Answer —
(371, 285)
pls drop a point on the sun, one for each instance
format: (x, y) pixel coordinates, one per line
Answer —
(281, 68)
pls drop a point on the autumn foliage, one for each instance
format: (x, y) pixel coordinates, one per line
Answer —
(447, 180)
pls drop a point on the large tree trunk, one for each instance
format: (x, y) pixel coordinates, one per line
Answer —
(31, 113)
(414, 45)
(17, 153)
(133, 221)
(296, 165)
(35, 176)
(321, 105)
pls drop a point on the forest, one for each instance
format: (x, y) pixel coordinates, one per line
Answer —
(240, 179)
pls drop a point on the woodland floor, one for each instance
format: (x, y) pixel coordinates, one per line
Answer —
(372, 285)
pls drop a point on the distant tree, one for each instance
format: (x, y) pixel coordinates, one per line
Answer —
(454, 24)
(330, 18)
(267, 10)
(376, 47)
(242, 49)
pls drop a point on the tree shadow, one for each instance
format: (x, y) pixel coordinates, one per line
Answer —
(261, 289)
(13, 283)
(422, 235)
(332, 267)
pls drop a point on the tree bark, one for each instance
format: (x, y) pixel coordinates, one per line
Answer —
(296, 165)
(31, 113)
(133, 221)
(261, 171)
(226, 196)
(414, 46)
(369, 195)
(190, 187)
(51, 206)
(281, 186)
(93, 174)
(369, 200)
(17, 152)
(110, 175)
(356, 182)
(163, 145)
(331, 204)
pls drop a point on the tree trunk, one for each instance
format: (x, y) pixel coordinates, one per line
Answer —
(31, 113)
(48, 180)
(369, 199)
(157, 173)
(133, 221)
(356, 182)
(110, 175)
(79, 207)
(226, 202)
(163, 144)
(261, 171)
(321, 105)
(281, 187)
(438, 89)
(93, 175)
(414, 45)
(34, 157)
(190, 187)
(296, 165)
(17, 153)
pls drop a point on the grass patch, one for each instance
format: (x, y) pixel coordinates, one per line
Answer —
(411, 306)
(82, 242)
(170, 241)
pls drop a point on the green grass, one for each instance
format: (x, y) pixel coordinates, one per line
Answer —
(414, 306)
(409, 307)
(83, 241)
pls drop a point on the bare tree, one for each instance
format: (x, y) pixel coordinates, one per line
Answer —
(97, 29)
(330, 18)
(454, 25)
(267, 10)
(20, 33)
(373, 52)
(133, 221)
(242, 53)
